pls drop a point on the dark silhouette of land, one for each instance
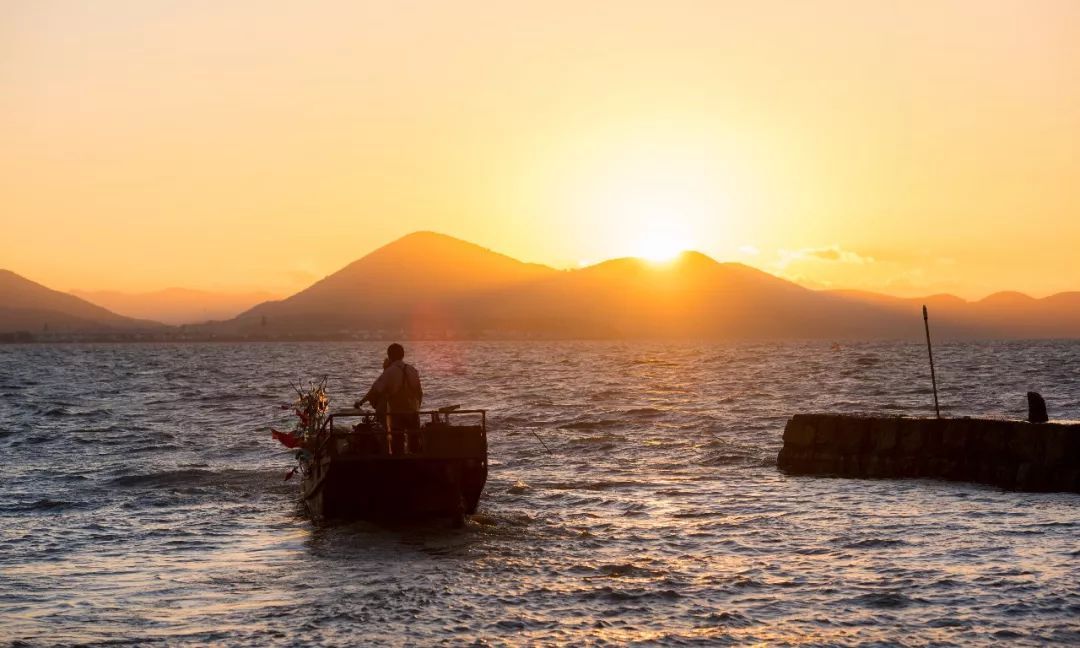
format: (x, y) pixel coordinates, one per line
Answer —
(30, 310)
(428, 285)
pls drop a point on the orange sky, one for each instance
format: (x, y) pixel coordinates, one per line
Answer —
(903, 147)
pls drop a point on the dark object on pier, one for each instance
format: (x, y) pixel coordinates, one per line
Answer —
(1011, 454)
(1036, 408)
(362, 471)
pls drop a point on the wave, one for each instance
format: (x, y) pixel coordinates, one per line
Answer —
(195, 477)
(45, 504)
(598, 439)
(871, 543)
(624, 570)
(884, 600)
(729, 458)
(659, 362)
(629, 594)
(593, 425)
(731, 619)
(591, 485)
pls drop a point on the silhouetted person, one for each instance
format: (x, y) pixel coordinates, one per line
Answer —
(1036, 408)
(397, 391)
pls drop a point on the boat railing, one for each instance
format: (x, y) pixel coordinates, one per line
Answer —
(385, 426)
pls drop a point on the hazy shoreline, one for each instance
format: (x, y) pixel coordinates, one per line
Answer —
(76, 340)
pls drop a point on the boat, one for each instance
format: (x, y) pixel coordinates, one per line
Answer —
(358, 469)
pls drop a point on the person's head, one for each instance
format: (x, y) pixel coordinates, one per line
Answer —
(395, 352)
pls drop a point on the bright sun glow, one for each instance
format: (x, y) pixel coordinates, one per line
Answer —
(660, 247)
(652, 199)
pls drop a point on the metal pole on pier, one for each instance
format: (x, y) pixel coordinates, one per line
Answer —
(930, 350)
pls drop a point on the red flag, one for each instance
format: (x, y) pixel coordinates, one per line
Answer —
(287, 439)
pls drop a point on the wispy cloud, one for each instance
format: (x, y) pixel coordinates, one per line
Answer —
(830, 254)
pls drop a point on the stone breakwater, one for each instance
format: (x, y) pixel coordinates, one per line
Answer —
(1011, 454)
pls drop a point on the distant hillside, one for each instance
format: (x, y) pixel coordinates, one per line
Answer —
(693, 296)
(176, 305)
(431, 285)
(428, 285)
(28, 306)
(418, 278)
(1001, 315)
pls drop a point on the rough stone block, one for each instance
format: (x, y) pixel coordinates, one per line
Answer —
(825, 435)
(908, 467)
(851, 465)
(826, 464)
(954, 437)
(1026, 477)
(1025, 441)
(799, 433)
(872, 466)
(948, 468)
(1055, 445)
(1072, 443)
(911, 438)
(795, 460)
(1068, 479)
(937, 466)
(1004, 453)
(933, 432)
(992, 438)
(850, 435)
(884, 433)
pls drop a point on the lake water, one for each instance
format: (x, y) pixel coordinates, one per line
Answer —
(143, 501)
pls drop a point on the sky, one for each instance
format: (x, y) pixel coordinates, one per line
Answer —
(902, 147)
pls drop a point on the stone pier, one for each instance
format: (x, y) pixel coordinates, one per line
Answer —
(1011, 454)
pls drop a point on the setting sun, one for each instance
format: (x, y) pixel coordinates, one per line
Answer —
(651, 195)
(661, 247)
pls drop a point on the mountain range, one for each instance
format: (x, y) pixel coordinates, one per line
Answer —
(30, 308)
(428, 285)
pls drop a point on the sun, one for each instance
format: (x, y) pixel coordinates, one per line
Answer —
(660, 239)
(660, 247)
(651, 199)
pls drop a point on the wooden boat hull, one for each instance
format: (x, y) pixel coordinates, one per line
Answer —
(436, 471)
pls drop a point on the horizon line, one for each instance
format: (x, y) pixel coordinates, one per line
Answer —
(659, 263)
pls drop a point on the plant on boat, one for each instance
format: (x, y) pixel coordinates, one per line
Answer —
(310, 407)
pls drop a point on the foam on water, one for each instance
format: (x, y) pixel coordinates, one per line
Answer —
(143, 500)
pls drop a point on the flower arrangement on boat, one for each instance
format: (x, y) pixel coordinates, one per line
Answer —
(311, 406)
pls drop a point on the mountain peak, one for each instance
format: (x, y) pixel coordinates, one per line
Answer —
(1007, 298)
(28, 305)
(428, 237)
(434, 249)
(419, 268)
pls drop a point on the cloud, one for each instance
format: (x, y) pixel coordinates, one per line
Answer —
(830, 254)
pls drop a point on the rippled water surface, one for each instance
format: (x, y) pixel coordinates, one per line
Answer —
(633, 497)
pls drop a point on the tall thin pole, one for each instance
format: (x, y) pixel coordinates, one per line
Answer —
(930, 350)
